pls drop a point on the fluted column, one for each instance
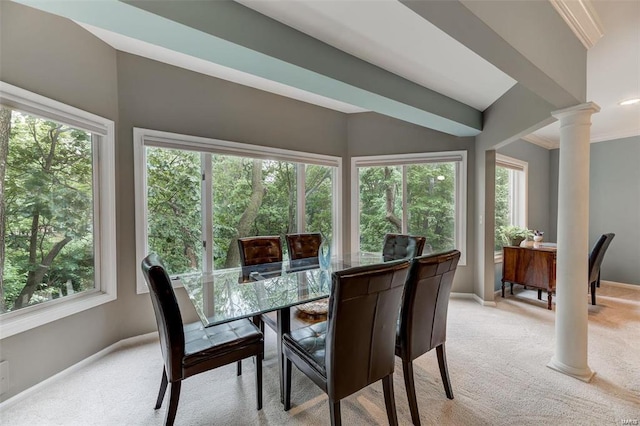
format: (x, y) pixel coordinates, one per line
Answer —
(570, 355)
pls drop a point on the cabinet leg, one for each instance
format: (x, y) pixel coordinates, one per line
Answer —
(549, 294)
(539, 294)
(511, 285)
(502, 288)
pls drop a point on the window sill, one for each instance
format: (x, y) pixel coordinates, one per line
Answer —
(13, 323)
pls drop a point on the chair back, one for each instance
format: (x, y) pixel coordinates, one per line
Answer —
(400, 246)
(597, 255)
(168, 317)
(361, 326)
(303, 246)
(423, 316)
(260, 250)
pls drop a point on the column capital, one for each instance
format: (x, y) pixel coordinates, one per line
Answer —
(587, 107)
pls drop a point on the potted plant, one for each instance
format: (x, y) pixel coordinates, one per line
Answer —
(513, 235)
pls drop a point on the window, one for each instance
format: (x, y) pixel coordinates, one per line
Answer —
(419, 194)
(511, 196)
(196, 196)
(58, 217)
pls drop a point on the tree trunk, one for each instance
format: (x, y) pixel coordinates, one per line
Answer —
(5, 132)
(249, 215)
(391, 200)
(36, 275)
(38, 269)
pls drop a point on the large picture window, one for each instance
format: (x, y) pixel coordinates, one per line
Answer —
(56, 210)
(418, 194)
(197, 196)
(511, 195)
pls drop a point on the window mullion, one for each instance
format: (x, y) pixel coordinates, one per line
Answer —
(405, 213)
(300, 199)
(207, 212)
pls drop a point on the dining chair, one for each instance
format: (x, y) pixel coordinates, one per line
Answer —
(595, 261)
(303, 246)
(191, 349)
(423, 318)
(400, 246)
(262, 255)
(355, 346)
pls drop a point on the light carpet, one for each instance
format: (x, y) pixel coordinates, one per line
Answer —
(497, 361)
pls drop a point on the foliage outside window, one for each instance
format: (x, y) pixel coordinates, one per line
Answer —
(199, 198)
(511, 195)
(54, 208)
(418, 194)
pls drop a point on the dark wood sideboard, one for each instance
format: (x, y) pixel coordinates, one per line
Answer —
(531, 267)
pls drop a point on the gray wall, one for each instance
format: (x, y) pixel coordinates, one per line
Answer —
(157, 96)
(374, 134)
(52, 57)
(614, 205)
(538, 188)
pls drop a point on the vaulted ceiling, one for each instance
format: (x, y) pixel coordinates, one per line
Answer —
(432, 63)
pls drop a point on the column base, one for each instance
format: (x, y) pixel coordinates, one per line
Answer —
(584, 374)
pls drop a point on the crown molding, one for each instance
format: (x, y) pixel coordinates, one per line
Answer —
(614, 136)
(582, 18)
(540, 141)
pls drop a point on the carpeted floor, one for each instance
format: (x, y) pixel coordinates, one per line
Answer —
(497, 360)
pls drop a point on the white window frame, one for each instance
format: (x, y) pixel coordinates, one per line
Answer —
(519, 192)
(460, 157)
(147, 137)
(104, 201)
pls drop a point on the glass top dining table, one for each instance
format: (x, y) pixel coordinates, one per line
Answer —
(230, 294)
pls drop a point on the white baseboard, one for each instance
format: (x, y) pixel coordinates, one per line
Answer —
(622, 285)
(474, 297)
(121, 344)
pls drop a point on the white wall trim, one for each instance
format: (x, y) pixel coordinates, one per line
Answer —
(121, 344)
(582, 18)
(473, 296)
(104, 189)
(620, 285)
(541, 141)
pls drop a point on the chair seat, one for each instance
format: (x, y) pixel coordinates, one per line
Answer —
(201, 342)
(309, 344)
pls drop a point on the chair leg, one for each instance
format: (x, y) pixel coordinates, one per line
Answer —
(334, 408)
(287, 384)
(239, 373)
(163, 389)
(444, 371)
(174, 396)
(390, 400)
(593, 293)
(409, 384)
(598, 282)
(259, 380)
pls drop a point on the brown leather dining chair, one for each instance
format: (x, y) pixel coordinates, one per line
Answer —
(261, 254)
(355, 346)
(423, 318)
(595, 261)
(400, 246)
(303, 246)
(191, 349)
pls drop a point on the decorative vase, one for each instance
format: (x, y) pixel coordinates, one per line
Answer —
(324, 254)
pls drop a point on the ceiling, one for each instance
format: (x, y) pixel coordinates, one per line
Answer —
(613, 75)
(425, 62)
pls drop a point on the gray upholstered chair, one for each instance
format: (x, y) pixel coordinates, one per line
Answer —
(400, 246)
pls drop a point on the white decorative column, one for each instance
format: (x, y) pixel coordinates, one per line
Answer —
(573, 242)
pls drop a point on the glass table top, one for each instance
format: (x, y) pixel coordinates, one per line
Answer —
(229, 294)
